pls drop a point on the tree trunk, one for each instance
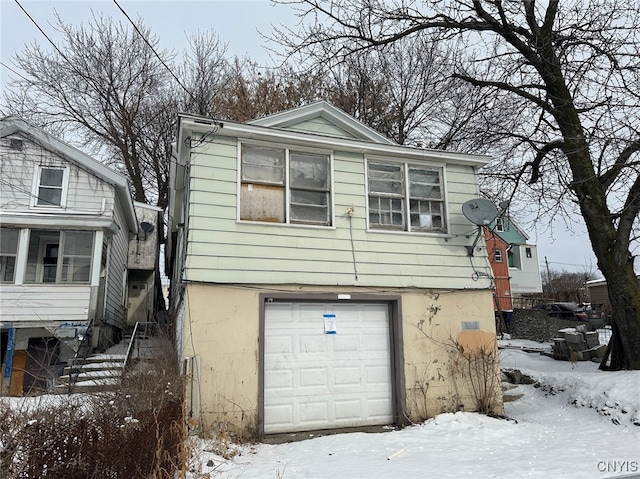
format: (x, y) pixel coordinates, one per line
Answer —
(624, 296)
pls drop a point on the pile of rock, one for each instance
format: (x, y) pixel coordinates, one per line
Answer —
(577, 344)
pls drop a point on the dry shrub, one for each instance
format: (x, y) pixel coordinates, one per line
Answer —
(135, 432)
(481, 367)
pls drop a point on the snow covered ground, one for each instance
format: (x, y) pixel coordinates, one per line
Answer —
(579, 423)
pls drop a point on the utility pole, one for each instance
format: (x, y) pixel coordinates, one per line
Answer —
(549, 281)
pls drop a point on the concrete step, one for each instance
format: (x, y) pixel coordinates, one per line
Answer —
(89, 385)
(90, 375)
(102, 357)
(105, 365)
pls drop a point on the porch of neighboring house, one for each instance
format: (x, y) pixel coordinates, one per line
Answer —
(46, 364)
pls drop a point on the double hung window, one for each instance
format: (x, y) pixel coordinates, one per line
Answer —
(283, 185)
(50, 187)
(406, 197)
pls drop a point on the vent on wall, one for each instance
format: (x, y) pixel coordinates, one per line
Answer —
(15, 144)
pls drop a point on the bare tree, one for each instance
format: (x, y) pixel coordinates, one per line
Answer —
(565, 285)
(205, 73)
(108, 88)
(570, 73)
(98, 89)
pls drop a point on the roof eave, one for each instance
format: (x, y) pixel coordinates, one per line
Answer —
(256, 132)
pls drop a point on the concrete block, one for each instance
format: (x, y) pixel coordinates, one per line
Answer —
(592, 339)
(573, 337)
(583, 355)
(598, 351)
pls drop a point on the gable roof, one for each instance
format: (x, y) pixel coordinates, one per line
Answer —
(296, 117)
(12, 124)
(507, 235)
(189, 123)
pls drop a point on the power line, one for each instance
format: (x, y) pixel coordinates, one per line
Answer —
(45, 35)
(73, 67)
(154, 51)
(13, 71)
(566, 264)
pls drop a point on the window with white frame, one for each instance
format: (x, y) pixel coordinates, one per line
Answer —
(50, 186)
(284, 185)
(59, 257)
(8, 253)
(497, 255)
(499, 225)
(404, 196)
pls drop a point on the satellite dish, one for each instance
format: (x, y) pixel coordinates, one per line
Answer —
(480, 212)
(145, 228)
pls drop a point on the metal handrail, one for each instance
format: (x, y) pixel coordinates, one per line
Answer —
(73, 374)
(130, 347)
(134, 337)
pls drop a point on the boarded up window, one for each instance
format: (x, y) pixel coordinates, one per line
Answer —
(271, 175)
(262, 193)
(262, 203)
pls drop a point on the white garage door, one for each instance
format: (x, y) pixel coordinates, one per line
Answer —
(314, 380)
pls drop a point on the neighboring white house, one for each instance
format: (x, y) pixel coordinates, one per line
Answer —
(524, 266)
(320, 276)
(66, 221)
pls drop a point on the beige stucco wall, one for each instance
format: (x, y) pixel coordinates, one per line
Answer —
(222, 330)
(436, 374)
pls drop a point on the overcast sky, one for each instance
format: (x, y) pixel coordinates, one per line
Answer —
(238, 23)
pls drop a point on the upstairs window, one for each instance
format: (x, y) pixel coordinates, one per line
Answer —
(282, 185)
(499, 225)
(59, 257)
(50, 188)
(8, 254)
(497, 255)
(406, 197)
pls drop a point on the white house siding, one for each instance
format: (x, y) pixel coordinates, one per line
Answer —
(221, 249)
(115, 313)
(86, 191)
(44, 305)
(526, 279)
(16, 174)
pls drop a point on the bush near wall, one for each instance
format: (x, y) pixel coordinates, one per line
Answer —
(135, 432)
